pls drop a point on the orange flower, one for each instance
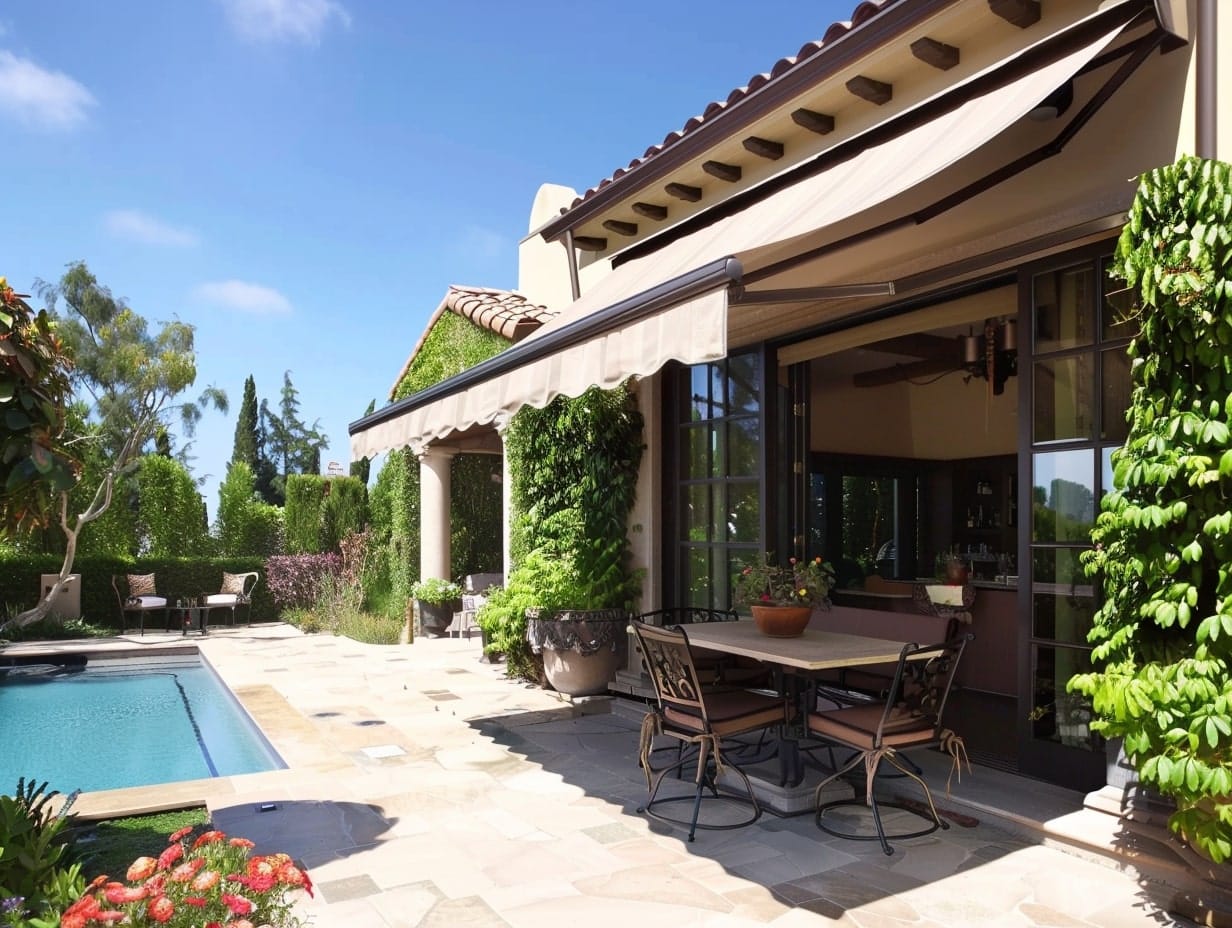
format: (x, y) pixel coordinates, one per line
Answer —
(209, 837)
(142, 867)
(187, 870)
(160, 909)
(119, 894)
(241, 842)
(205, 880)
(291, 875)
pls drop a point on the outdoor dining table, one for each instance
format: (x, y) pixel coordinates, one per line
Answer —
(795, 661)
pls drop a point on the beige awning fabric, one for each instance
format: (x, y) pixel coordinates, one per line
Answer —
(695, 331)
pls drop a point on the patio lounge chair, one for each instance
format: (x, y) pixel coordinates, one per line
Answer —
(236, 591)
(137, 594)
(909, 718)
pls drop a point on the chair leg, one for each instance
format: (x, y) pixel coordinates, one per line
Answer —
(705, 777)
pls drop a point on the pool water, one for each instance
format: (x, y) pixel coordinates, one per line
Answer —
(119, 723)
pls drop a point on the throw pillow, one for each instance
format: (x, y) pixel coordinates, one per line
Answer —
(233, 584)
(141, 585)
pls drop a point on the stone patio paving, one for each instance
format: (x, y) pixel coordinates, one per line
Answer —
(425, 789)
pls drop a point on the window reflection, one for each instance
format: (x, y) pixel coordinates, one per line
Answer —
(1062, 597)
(1063, 496)
(1064, 308)
(1064, 396)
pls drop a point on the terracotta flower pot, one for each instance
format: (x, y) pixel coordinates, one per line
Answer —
(782, 621)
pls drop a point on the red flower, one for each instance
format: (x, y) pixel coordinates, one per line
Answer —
(187, 870)
(173, 853)
(119, 894)
(237, 904)
(199, 902)
(209, 837)
(182, 833)
(142, 867)
(160, 909)
(241, 842)
(259, 882)
(98, 881)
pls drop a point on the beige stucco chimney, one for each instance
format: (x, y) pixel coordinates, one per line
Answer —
(543, 268)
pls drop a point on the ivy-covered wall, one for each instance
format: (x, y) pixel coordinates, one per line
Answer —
(452, 345)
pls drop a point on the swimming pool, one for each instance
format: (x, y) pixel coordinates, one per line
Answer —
(93, 724)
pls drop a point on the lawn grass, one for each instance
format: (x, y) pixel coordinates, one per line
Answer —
(112, 845)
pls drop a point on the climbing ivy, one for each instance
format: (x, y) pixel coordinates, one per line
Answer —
(574, 467)
(1163, 541)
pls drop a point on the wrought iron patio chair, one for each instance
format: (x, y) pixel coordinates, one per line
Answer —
(909, 718)
(137, 595)
(698, 716)
(234, 592)
(713, 667)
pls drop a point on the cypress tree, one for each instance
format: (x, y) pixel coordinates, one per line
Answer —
(245, 448)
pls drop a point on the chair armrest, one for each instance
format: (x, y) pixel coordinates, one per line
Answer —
(250, 583)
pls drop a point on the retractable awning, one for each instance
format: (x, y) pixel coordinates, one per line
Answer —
(672, 304)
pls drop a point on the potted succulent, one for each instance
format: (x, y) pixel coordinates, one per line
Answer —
(782, 597)
(437, 600)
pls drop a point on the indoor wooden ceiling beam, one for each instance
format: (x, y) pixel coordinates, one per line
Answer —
(763, 148)
(620, 227)
(821, 123)
(683, 192)
(589, 243)
(938, 54)
(728, 172)
(651, 211)
(1021, 13)
(874, 91)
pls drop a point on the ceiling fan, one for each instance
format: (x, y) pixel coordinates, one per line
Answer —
(991, 355)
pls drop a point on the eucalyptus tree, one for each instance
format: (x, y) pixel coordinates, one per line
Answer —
(133, 381)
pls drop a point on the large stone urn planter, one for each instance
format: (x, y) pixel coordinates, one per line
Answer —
(435, 618)
(582, 650)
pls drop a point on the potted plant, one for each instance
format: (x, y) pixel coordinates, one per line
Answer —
(574, 625)
(437, 601)
(782, 597)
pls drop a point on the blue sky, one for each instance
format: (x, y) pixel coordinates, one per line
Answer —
(302, 179)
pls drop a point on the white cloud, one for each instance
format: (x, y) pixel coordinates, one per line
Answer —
(245, 297)
(137, 226)
(302, 21)
(40, 98)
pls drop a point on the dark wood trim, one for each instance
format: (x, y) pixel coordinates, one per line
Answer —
(821, 123)
(938, 54)
(650, 211)
(589, 243)
(1020, 13)
(899, 372)
(763, 148)
(683, 192)
(728, 172)
(886, 27)
(620, 227)
(874, 91)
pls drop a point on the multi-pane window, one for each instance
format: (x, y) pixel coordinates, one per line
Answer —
(718, 424)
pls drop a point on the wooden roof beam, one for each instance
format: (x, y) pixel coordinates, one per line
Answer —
(1021, 13)
(763, 148)
(589, 243)
(620, 227)
(651, 211)
(683, 192)
(821, 123)
(938, 54)
(873, 91)
(728, 172)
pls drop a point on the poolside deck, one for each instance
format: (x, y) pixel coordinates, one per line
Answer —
(423, 788)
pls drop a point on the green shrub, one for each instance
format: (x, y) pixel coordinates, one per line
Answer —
(435, 590)
(246, 525)
(344, 510)
(303, 513)
(36, 862)
(171, 515)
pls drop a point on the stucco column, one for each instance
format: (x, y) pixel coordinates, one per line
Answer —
(434, 526)
(502, 429)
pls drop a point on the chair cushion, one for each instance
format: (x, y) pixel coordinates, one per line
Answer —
(141, 585)
(857, 726)
(232, 584)
(222, 599)
(147, 602)
(731, 712)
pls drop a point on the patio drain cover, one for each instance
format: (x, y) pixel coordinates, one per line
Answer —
(383, 750)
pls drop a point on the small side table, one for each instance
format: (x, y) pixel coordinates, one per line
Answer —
(192, 619)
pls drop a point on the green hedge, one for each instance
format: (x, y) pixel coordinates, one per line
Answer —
(19, 581)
